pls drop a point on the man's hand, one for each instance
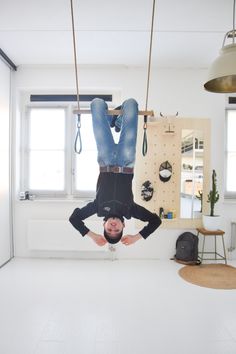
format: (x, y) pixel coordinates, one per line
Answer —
(98, 239)
(130, 239)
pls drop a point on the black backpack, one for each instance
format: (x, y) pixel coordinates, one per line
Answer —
(187, 249)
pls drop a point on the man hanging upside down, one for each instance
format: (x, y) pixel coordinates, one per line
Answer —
(114, 197)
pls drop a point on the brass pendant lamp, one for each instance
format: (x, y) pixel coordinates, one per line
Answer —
(222, 73)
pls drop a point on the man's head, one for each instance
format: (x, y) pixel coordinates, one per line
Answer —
(113, 229)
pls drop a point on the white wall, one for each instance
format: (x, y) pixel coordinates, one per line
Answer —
(171, 90)
(5, 174)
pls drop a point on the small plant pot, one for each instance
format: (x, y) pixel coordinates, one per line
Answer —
(211, 222)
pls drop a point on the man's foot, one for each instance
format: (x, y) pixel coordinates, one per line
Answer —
(116, 121)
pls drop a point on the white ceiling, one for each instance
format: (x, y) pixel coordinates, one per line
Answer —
(187, 33)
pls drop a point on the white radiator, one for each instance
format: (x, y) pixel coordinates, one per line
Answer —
(60, 235)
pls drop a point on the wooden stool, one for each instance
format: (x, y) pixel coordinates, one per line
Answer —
(214, 233)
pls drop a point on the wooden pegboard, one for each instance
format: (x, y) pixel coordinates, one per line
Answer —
(162, 146)
(164, 143)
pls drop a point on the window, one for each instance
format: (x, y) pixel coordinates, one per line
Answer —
(230, 186)
(50, 167)
(46, 149)
(85, 164)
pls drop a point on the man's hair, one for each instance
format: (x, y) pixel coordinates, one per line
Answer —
(113, 240)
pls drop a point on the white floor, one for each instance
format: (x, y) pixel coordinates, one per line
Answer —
(105, 307)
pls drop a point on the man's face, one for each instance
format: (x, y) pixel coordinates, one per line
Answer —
(113, 227)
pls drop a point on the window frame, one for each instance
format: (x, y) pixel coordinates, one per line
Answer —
(25, 168)
(78, 193)
(70, 191)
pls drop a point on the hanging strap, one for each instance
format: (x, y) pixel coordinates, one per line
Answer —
(145, 143)
(78, 134)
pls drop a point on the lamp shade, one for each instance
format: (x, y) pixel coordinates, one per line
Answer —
(222, 73)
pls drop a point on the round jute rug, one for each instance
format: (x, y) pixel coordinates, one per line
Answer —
(215, 276)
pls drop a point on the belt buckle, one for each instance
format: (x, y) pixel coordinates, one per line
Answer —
(117, 169)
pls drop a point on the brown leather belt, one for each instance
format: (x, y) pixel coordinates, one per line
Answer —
(117, 169)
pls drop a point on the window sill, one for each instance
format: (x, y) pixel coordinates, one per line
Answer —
(56, 200)
(229, 201)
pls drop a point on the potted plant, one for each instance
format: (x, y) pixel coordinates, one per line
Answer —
(212, 221)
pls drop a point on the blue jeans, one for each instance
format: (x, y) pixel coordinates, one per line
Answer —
(109, 153)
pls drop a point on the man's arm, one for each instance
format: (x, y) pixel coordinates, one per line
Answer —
(77, 217)
(141, 213)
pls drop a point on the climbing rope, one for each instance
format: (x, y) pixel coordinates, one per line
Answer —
(78, 134)
(145, 143)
